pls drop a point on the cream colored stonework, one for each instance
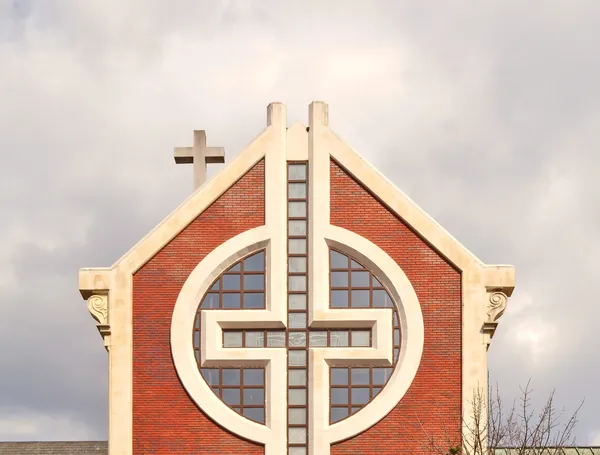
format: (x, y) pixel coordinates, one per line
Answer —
(272, 435)
(98, 308)
(116, 282)
(484, 292)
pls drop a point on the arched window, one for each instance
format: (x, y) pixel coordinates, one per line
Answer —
(242, 286)
(353, 286)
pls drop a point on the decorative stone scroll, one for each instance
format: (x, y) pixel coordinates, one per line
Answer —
(98, 308)
(496, 305)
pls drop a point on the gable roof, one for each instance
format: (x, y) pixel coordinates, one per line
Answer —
(54, 448)
(497, 276)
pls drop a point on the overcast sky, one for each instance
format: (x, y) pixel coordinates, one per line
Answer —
(487, 114)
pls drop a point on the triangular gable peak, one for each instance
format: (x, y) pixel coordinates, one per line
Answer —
(484, 288)
(498, 278)
(351, 161)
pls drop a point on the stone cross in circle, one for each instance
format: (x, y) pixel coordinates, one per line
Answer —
(311, 377)
(199, 155)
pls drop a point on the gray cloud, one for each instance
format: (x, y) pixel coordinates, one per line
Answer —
(487, 115)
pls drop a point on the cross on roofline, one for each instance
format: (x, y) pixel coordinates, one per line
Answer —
(199, 155)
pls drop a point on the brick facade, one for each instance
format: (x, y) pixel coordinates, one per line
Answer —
(434, 398)
(165, 420)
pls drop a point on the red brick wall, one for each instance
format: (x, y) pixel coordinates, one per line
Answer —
(165, 420)
(434, 398)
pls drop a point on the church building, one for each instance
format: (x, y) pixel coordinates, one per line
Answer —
(297, 303)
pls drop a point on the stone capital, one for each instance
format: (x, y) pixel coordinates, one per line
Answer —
(495, 307)
(98, 308)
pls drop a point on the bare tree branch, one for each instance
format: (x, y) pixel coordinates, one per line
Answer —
(517, 430)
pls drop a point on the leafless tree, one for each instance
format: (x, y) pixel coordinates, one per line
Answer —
(493, 429)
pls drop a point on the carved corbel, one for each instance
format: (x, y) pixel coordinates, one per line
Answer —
(98, 307)
(496, 305)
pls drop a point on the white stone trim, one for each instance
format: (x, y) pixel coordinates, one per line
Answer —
(477, 277)
(272, 236)
(319, 209)
(98, 308)
(323, 236)
(118, 279)
(197, 202)
(213, 353)
(400, 204)
(272, 435)
(411, 322)
(297, 142)
(478, 280)
(276, 208)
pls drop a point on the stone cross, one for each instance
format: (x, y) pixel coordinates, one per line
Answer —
(313, 366)
(199, 155)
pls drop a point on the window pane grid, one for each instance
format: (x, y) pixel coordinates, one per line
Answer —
(315, 338)
(241, 286)
(358, 288)
(297, 334)
(358, 395)
(353, 286)
(238, 393)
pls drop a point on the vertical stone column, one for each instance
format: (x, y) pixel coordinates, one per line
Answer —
(318, 298)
